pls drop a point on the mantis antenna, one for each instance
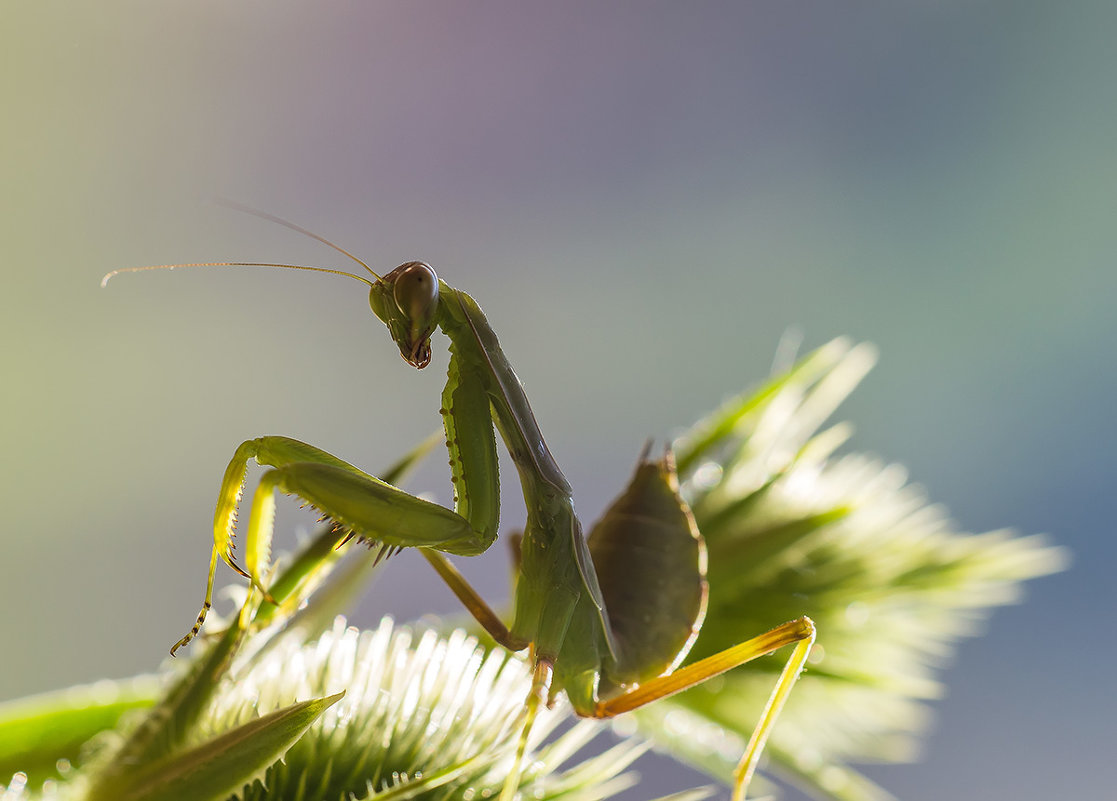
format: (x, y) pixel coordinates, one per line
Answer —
(114, 273)
(263, 215)
(270, 218)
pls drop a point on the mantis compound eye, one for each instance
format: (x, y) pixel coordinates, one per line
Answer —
(416, 290)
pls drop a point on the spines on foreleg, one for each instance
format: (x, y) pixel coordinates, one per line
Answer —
(382, 549)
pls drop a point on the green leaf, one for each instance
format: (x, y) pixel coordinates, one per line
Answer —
(39, 731)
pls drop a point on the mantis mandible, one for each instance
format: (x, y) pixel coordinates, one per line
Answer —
(607, 619)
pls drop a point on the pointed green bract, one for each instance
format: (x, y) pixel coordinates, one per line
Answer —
(218, 767)
(793, 529)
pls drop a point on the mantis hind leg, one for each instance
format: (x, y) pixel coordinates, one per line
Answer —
(360, 504)
(800, 632)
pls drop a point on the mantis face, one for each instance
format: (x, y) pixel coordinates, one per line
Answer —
(406, 300)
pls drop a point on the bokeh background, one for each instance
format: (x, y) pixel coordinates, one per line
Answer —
(644, 197)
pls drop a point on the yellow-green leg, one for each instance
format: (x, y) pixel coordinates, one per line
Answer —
(541, 678)
(800, 632)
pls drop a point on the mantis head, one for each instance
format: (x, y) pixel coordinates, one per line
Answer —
(406, 300)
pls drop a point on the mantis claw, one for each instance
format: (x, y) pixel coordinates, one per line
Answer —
(232, 563)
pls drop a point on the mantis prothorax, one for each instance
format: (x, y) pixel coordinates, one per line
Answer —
(607, 619)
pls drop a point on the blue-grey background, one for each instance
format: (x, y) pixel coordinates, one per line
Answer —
(643, 196)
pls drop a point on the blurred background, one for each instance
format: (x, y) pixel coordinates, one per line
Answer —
(644, 197)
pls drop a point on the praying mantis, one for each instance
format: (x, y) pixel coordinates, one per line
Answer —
(606, 619)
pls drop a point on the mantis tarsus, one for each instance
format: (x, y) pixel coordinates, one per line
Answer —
(607, 619)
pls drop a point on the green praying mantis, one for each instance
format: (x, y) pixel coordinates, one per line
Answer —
(607, 619)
